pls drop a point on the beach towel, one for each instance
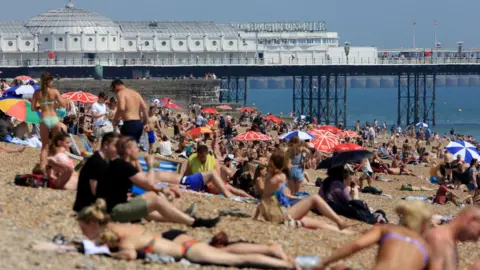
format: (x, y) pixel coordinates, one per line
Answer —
(29, 141)
(162, 166)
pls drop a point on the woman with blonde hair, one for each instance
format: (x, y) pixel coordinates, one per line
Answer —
(129, 242)
(400, 246)
(48, 98)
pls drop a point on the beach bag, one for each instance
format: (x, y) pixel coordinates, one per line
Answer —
(372, 190)
(271, 210)
(354, 209)
(32, 180)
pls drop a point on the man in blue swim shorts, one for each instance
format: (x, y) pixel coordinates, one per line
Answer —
(130, 104)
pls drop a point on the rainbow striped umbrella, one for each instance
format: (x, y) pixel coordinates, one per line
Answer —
(20, 109)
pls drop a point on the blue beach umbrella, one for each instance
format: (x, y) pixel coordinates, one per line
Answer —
(26, 91)
(466, 150)
(421, 124)
(301, 134)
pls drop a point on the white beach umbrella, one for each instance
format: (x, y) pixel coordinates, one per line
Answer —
(466, 150)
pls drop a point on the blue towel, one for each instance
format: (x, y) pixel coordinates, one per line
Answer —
(86, 144)
(164, 166)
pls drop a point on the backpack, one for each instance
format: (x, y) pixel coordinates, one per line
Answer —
(32, 180)
(355, 209)
(372, 190)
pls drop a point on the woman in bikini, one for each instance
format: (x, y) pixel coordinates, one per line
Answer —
(299, 155)
(47, 98)
(129, 242)
(401, 246)
(273, 194)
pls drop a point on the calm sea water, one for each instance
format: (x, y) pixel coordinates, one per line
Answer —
(381, 104)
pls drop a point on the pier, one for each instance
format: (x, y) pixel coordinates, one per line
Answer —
(319, 91)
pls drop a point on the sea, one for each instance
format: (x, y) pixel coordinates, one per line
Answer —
(456, 107)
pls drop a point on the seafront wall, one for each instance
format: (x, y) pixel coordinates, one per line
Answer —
(181, 91)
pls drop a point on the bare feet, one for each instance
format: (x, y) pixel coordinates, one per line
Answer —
(277, 251)
(347, 223)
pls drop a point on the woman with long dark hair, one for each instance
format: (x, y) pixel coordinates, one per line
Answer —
(48, 98)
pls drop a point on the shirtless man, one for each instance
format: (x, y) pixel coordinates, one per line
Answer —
(151, 127)
(442, 239)
(130, 105)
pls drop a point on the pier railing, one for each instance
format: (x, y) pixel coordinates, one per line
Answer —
(286, 61)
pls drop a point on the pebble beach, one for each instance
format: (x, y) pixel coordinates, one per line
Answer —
(28, 215)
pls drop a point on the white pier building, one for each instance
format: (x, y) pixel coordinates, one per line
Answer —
(74, 36)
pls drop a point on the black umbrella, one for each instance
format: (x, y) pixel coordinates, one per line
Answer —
(340, 158)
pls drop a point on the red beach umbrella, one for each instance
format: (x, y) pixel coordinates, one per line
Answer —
(247, 109)
(325, 141)
(348, 134)
(345, 147)
(252, 136)
(224, 107)
(172, 106)
(210, 111)
(82, 97)
(332, 129)
(273, 119)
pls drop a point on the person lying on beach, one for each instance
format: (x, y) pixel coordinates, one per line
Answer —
(465, 227)
(154, 205)
(402, 170)
(400, 246)
(270, 209)
(6, 150)
(409, 187)
(129, 242)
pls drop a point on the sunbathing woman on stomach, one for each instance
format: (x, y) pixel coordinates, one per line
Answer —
(133, 240)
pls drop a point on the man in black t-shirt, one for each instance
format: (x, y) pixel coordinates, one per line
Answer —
(152, 205)
(94, 171)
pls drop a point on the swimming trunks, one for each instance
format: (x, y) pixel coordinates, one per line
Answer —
(194, 182)
(132, 128)
(151, 137)
(409, 240)
(50, 121)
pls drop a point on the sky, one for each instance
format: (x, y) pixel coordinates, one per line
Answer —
(381, 23)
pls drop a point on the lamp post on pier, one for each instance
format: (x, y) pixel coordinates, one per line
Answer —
(347, 49)
(38, 53)
(460, 47)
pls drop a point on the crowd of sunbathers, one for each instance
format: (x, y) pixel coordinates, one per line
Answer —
(274, 172)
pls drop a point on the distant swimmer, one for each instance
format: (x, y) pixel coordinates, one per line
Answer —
(131, 109)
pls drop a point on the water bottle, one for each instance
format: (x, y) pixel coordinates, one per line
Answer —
(416, 198)
(308, 261)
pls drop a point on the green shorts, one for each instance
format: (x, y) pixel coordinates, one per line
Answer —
(133, 210)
